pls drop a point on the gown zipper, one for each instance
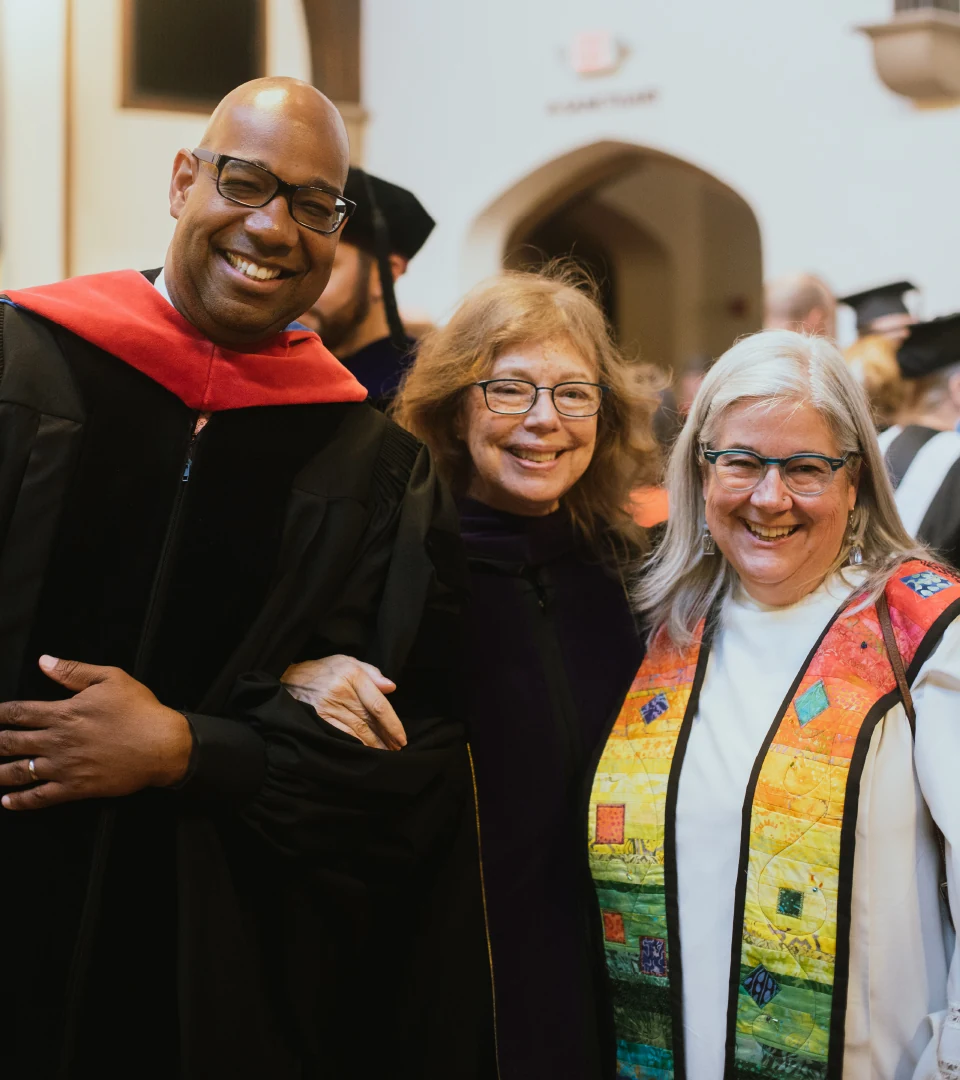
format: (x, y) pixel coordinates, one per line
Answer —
(199, 422)
(486, 916)
(80, 962)
(543, 635)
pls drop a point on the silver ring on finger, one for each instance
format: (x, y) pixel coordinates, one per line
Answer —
(32, 770)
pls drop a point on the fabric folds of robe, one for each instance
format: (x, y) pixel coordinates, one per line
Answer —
(551, 650)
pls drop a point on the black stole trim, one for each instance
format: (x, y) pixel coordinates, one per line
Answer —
(670, 887)
(739, 905)
(848, 838)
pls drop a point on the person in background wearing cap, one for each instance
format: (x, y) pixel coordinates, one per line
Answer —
(881, 310)
(801, 302)
(922, 452)
(873, 361)
(357, 313)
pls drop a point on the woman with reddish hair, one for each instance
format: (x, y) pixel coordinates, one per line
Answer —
(542, 429)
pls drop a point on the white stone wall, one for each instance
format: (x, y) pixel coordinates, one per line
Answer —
(121, 158)
(32, 149)
(777, 99)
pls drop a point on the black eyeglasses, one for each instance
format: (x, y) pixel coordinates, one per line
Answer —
(316, 208)
(803, 474)
(513, 397)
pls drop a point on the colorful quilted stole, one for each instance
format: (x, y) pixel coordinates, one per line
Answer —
(790, 938)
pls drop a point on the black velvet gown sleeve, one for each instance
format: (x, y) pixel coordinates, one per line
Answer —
(357, 867)
(309, 788)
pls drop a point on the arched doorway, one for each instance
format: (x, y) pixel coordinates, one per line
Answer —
(677, 251)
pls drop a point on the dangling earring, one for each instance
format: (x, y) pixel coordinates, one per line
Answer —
(856, 555)
(707, 543)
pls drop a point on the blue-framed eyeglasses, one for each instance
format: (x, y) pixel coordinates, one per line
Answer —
(803, 474)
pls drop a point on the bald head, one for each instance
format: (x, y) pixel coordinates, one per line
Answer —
(278, 101)
(240, 273)
(801, 302)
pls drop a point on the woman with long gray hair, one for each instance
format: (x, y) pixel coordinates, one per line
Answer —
(775, 809)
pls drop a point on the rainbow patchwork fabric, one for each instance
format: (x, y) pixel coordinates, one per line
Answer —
(788, 992)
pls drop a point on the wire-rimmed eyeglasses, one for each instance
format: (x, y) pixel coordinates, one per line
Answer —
(318, 208)
(803, 474)
(513, 397)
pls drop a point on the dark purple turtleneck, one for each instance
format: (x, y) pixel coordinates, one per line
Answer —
(552, 648)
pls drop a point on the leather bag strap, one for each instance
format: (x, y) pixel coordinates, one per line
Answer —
(896, 661)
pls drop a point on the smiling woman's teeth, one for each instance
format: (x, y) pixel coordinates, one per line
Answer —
(535, 455)
(260, 273)
(770, 532)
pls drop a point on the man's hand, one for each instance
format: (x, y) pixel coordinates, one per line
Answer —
(348, 694)
(111, 738)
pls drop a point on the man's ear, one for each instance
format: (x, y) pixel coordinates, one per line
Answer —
(398, 266)
(186, 170)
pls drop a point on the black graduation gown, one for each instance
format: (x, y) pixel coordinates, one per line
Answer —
(552, 649)
(301, 906)
(939, 522)
(380, 366)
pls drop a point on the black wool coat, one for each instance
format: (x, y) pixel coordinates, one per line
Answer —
(301, 906)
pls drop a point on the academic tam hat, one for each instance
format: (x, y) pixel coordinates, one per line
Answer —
(881, 300)
(388, 220)
(407, 223)
(931, 347)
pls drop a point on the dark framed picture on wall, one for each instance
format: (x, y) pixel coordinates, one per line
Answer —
(186, 54)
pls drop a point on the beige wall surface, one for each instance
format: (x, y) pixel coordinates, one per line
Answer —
(123, 157)
(780, 102)
(478, 109)
(32, 49)
(120, 159)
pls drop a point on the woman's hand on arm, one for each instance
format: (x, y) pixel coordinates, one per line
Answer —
(349, 694)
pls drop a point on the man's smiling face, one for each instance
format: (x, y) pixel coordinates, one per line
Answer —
(241, 274)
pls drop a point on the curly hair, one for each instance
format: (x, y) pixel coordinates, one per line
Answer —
(873, 361)
(556, 304)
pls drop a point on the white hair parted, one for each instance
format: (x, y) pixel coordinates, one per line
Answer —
(679, 583)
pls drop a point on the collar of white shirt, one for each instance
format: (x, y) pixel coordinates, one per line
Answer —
(161, 286)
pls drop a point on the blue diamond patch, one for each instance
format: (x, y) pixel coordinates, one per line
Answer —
(761, 986)
(654, 707)
(811, 703)
(926, 583)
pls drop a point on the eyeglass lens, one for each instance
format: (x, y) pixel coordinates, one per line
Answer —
(251, 186)
(802, 475)
(569, 399)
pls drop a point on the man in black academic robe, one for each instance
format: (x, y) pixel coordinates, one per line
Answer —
(922, 451)
(202, 877)
(357, 313)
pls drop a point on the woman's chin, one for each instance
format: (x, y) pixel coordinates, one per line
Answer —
(525, 500)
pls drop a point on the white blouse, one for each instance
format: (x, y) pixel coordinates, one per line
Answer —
(903, 1003)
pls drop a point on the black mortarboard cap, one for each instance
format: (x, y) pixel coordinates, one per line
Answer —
(883, 300)
(408, 224)
(388, 220)
(931, 347)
